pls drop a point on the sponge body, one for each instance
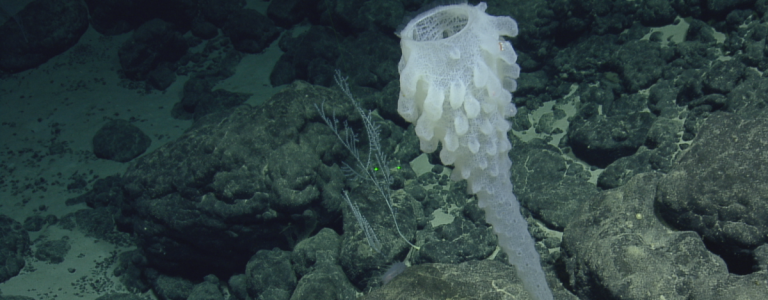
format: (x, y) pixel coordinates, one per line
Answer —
(456, 79)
